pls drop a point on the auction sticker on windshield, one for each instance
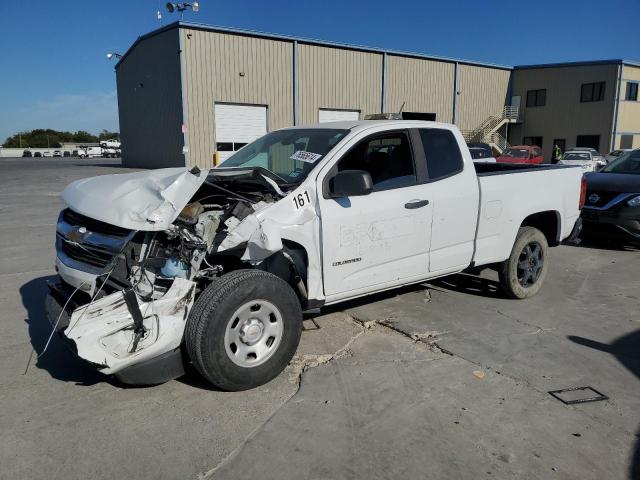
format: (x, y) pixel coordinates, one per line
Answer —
(303, 156)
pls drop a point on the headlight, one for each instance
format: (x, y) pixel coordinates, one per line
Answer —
(634, 202)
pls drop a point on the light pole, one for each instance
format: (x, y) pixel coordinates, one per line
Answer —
(181, 7)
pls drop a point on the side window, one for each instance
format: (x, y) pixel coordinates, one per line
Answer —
(387, 158)
(442, 151)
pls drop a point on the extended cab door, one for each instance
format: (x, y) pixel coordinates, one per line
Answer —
(379, 239)
(452, 187)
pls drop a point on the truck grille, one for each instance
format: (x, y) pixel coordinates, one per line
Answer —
(75, 219)
(85, 254)
(88, 244)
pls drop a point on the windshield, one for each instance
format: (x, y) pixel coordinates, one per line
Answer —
(290, 154)
(577, 156)
(625, 163)
(516, 153)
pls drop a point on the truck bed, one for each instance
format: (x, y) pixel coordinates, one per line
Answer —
(507, 201)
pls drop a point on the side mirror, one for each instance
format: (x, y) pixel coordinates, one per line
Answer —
(351, 183)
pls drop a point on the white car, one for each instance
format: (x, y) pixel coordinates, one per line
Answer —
(583, 159)
(47, 153)
(113, 143)
(224, 261)
(597, 156)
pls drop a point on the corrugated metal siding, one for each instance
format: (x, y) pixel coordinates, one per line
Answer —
(150, 103)
(564, 116)
(483, 92)
(422, 85)
(213, 63)
(337, 78)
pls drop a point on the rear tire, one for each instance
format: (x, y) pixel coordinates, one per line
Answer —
(244, 329)
(523, 273)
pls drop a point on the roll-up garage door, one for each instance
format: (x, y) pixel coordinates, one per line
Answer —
(326, 115)
(237, 125)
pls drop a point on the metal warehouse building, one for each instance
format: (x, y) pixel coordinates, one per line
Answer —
(188, 90)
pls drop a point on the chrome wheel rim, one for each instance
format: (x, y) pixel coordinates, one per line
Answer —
(253, 333)
(530, 264)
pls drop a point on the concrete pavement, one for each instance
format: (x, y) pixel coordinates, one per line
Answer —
(446, 380)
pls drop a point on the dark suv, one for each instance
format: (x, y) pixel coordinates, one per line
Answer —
(612, 206)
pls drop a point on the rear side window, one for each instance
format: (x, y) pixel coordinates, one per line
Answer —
(442, 151)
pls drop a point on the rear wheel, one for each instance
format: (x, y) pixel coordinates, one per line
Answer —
(523, 273)
(244, 329)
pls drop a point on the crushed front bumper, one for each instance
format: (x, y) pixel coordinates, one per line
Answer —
(102, 333)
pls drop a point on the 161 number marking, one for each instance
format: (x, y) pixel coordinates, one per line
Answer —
(301, 199)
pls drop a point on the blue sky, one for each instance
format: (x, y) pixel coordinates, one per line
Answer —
(54, 72)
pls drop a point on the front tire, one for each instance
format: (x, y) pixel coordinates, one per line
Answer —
(244, 329)
(523, 273)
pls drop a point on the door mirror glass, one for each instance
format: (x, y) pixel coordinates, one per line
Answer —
(351, 183)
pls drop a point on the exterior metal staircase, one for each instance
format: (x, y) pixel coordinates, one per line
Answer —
(489, 130)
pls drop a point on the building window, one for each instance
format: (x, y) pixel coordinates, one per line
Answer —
(537, 98)
(588, 141)
(592, 92)
(632, 91)
(537, 141)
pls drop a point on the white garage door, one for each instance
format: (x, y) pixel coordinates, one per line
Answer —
(237, 125)
(325, 115)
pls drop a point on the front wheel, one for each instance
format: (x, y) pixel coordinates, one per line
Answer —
(244, 329)
(523, 273)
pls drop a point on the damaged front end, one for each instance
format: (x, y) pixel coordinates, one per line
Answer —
(132, 264)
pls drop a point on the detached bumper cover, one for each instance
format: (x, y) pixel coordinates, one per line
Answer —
(103, 333)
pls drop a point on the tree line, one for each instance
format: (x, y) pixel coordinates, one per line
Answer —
(41, 138)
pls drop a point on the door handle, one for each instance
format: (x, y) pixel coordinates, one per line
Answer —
(416, 204)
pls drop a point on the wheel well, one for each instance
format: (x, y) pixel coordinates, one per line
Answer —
(290, 264)
(548, 223)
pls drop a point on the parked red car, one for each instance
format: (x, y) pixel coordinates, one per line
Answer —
(521, 154)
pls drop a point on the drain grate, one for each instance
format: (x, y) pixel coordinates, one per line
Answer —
(572, 396)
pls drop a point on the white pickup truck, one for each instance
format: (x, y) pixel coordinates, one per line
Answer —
(158, 268)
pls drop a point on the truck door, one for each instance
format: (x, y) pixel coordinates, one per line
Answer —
(454, 194)
(382, 238)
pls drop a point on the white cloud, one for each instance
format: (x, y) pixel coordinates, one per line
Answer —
(88, 111)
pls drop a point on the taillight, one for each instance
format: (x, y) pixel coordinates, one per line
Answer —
(583, 192)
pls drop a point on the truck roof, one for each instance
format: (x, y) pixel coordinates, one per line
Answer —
(357, 125)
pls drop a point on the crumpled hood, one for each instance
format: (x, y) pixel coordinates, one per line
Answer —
(149, 200)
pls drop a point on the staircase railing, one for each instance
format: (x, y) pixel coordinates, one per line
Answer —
(487, 131)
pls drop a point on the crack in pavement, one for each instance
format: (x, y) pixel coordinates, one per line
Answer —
(301, 364)
(296, 368)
